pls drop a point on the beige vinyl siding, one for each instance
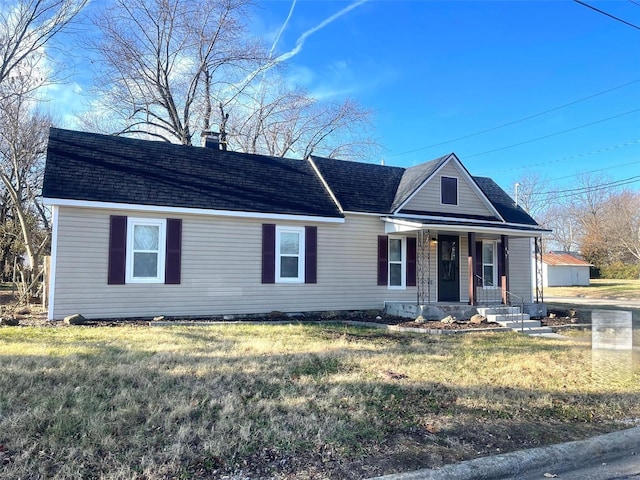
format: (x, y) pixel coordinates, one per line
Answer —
(520, 268)
(428, 198)
(221, 269)
(464, 268)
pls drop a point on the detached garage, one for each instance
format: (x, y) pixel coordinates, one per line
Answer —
(564, 270)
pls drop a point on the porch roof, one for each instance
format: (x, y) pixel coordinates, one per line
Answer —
(396, 224)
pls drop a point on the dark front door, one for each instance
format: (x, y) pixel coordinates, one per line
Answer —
(448, 268)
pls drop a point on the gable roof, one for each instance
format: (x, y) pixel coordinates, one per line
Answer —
(105, 168)
(563, 259)
(109, 169)
(413, 178)
(378, 189)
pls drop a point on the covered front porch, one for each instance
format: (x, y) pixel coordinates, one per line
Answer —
(463, 265)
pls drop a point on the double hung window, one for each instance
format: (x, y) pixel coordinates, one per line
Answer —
(290, 255)
(146, 240)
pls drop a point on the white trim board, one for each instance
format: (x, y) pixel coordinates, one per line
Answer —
(61, 202)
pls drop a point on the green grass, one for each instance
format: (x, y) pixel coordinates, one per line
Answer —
(299, 401)
(599, 288)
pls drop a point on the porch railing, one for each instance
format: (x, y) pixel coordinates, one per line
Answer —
(501, 296)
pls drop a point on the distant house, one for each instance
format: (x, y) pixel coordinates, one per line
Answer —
(143, 228)
(564, 270)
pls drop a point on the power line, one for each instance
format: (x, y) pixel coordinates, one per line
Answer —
(553, 134)
(607, 14)
(508, 124)
(571, 157)
(577, 191)
(597, 170)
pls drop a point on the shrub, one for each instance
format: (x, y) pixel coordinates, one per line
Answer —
(620, 271)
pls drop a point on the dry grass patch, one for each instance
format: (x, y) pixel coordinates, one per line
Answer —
(299, 401)
(599, 288)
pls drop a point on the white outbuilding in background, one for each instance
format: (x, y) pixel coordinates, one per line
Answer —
(561, 269)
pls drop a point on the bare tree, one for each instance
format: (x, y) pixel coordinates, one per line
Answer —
(170, 68)
(280, 121)
(622, 225)
(532, 193)
(23, 137)
(157, 57)
(26, 27)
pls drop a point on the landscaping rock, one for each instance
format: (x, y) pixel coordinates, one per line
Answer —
(478, 319)
(448, 320)
(9, 321)
(76, 319)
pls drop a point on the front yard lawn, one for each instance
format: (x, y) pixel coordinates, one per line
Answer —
(291, 401)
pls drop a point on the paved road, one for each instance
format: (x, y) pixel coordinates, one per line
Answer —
(623, 465)
(633, 303)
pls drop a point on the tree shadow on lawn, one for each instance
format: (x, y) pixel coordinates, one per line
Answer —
(164, 413)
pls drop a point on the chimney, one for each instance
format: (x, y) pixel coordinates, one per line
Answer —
(210, 139)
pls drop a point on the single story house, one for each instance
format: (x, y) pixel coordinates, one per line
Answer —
(563, 269)
(143, 228)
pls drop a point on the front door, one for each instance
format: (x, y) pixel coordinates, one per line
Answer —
(448, 268)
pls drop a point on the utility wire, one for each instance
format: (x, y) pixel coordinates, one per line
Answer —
(580, 190)
(597, 170)
(529, 117)
(571, 157)
(607, 14)
(553, 134)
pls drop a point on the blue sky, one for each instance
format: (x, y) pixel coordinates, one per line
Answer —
(435, 71)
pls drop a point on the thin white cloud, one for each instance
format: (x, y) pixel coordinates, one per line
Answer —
(302, 38)
(299, 43)
(282, 28)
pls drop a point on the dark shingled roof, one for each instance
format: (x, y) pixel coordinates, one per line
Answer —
(361, 187)
(104, 168)
(371, 188)
(503, 203)
(413, 177)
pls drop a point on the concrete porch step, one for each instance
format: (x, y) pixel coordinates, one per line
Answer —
(508, 317)
(517, 324)
(498, 310)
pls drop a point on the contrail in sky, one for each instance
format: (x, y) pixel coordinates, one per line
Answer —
(284, 25)
(299, 43)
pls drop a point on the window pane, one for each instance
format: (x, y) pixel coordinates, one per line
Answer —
(395, 250)
(289, 267)
(395, 274)
(145, 265)
(487, 271)
(487, 252)
(449, 190)
(289, 243)
(146, 237)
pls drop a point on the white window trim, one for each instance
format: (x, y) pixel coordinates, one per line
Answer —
(457, 191)
(301, 254)
(494, 265)
(162, 242)
(403, 263)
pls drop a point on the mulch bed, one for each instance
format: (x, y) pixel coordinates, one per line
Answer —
(35, 316)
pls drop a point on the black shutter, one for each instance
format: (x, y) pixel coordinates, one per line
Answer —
(310, 254)
(383, 260)
(479, 269)
(173, 255)
(411, 261)
(268, 253)
(117, 250)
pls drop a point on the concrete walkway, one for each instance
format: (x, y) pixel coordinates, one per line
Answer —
(555, 459)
